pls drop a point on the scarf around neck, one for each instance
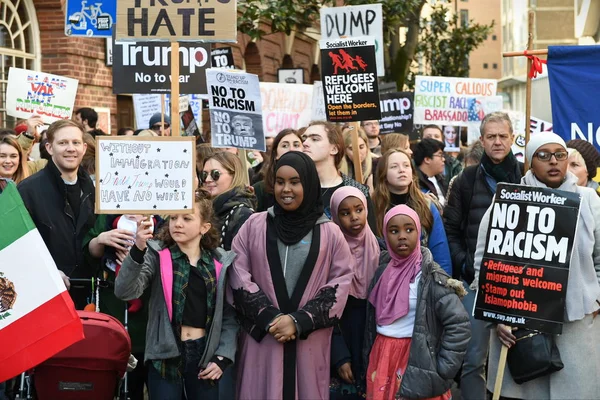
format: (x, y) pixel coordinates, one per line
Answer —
(507, 171)
(390, 296)
(364, 246)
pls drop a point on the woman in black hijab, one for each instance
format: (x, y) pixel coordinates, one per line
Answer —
(290, 281)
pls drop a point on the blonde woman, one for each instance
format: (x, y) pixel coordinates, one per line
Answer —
(13, 163)
(366, 158)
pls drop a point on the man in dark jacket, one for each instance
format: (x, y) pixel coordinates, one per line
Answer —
(469, 198)
(60, 199)
(429, 158)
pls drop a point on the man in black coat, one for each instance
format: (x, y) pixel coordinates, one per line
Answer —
(429, 158)
(469, 197)
(60, 200)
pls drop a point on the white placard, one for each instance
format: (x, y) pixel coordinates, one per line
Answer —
(149, 175)
(318, 102)
(31, 92)
(285, 105)
(144, 106)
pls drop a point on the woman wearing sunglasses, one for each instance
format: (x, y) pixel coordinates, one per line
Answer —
(578, 344)
(233, 202)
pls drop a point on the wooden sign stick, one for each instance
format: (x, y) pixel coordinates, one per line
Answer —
(162, 111)
(358, 172)
(175, 125)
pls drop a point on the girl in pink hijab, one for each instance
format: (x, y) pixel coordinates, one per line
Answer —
(349, 212)
(417, 328)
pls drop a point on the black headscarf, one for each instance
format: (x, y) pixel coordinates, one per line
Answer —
(292, 226)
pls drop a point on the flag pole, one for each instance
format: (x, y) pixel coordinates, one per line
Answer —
(531, 17)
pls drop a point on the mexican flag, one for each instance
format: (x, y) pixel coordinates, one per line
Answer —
(37, 316)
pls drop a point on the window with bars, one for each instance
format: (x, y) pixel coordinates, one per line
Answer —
(19, 41)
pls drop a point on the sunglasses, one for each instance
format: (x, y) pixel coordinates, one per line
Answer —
(158, 127)
(215, 174)
(546, 155)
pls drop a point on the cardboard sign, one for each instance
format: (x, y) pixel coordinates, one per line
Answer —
(103, 123)
(354, 22)
(350, 80)
(318, 102)
(396, 113)
(90, 18)
(453, 101)
(290, 75)
(222, 58)
(177, 20)
(145, 67)
(525, 267)
(235, 110)
(285, 106)
(31, 92)
(148, 175)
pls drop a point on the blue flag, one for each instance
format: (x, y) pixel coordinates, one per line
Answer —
(574, 87)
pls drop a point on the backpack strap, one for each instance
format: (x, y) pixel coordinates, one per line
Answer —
(227, 218)
(166, 275)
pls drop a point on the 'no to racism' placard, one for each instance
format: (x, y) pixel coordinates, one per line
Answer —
(350, 80)
(525, 267)
(214, 21)
(235, 110)
(149, 175)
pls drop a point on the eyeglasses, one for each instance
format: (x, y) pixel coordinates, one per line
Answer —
(158, 127)
(441, 155)
(215, 174)
(546, 156)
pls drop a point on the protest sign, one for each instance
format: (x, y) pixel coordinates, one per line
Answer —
(144, 106)
(290, 75)
(37, 316)
(177, 20)
(145, 67)
(147, 175)
(31, 92)
(90, 18)
(536, 125)
(222, 58)
(354, 22)
(235, 110)
(574, 86)
(525, 267)
(103, 123)
(285, 106)
(350, 80)
(454, 101)
(318, 102)
(396, 113)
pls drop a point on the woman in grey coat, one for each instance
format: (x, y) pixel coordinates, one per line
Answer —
(191, 334)
(417, 329)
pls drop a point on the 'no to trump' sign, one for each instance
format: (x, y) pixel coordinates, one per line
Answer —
(213, 21)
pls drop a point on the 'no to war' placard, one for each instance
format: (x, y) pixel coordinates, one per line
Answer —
(214, 21)
(235, 110)
(31, 92)
(350, 80)
(525, 268)
(150, 175)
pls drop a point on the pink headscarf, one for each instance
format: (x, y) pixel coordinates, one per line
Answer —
(390, 294)
(364, 247)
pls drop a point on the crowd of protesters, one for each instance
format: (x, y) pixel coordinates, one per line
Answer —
(292, 280)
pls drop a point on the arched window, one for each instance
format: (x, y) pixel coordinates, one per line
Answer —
(19, 45)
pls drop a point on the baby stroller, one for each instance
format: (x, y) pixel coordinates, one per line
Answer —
(90, 369)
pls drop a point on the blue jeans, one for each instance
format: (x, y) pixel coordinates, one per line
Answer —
(472, 380)
(194, 388)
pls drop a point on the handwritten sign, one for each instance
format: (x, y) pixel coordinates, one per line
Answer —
(454, 101)
(149, 175)
(235, 110)
(177, 20)
(31, 92)
(285, 105)
(355, 21)
(525, 267)
(318, 102)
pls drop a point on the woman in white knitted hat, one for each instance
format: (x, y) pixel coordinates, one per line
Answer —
(578, 344)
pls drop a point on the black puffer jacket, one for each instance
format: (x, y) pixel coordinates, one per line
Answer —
(440, 336)
(468, 199)
(232, 209)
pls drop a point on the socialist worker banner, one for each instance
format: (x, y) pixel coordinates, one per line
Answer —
(574, 88)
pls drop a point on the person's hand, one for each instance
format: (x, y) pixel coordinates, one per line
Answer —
(120, 239)
(121, 254)
(144, 233)
(212, 371)
(33, 123)
(345, 372)
(283, 328)
(257, 156)
(65, 279)
(505, 335)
